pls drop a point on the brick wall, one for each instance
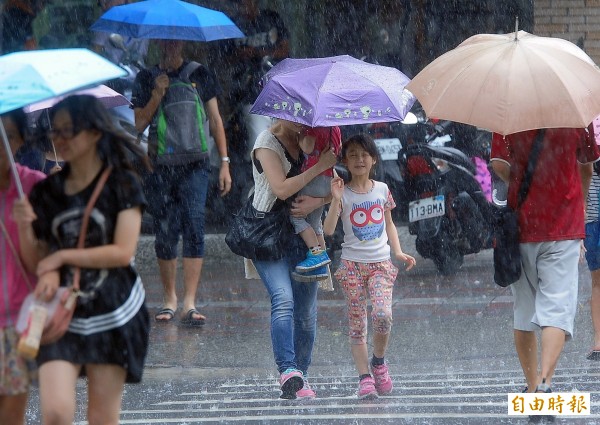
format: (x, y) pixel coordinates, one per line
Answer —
(575, 20)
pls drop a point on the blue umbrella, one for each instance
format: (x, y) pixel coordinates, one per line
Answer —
(167, 19)
(33, 76)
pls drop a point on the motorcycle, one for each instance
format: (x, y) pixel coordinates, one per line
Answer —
(447, 210)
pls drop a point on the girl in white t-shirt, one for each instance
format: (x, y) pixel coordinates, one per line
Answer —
(366, 270)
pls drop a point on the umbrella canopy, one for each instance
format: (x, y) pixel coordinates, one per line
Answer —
(167, 19)
(339, 90)
(107, 96)
(32, 76)
(510, 83)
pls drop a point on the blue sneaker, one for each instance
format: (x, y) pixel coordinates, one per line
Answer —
(313, 261)
(311, 276)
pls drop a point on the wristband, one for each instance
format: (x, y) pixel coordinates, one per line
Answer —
(225, 159)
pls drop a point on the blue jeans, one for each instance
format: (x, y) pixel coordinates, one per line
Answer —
(176, 198)
(293, 311)
(591, 243)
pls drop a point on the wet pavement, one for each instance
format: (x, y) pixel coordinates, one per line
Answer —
(451, 353)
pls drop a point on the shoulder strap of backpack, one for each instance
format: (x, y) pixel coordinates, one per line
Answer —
(188, 70)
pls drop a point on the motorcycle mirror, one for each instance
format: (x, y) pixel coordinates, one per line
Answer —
(410, 118)
(116, 40)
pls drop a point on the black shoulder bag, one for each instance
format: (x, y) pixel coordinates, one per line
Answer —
(260, 235)
(507, 256)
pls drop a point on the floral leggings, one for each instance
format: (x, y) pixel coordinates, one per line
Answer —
(375, 280)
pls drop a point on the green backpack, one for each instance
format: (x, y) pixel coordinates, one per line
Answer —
(179, 130)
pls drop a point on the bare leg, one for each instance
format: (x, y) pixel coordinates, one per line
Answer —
(321, 240)
(12, 409)
(168, 277)
(380, 343)
(595, 307)
(526, 345)
(553, 341)
(57, 391)
(105, 390)
(309, 237)
(361, 358)
(192, 270)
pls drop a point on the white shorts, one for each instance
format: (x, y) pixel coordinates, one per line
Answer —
(546, 293)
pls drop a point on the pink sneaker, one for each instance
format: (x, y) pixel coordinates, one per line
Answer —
(306, 392)
(366, 388)
(290, 381)
(383, 381)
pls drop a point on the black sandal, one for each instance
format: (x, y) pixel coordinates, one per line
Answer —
(190, 320)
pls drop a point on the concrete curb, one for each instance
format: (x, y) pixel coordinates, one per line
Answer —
(215, 248)
(217, 251)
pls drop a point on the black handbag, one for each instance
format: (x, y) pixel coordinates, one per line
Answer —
(507, 255)
(259, 235)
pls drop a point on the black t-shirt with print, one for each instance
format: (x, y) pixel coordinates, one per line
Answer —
(58, 224)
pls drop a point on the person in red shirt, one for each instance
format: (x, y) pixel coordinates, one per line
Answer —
(551, 224)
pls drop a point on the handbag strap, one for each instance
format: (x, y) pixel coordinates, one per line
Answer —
(86, 219)
(16, 255)
(533, 157)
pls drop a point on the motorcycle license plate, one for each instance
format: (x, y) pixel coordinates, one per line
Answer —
(426, 208)
(388, 148)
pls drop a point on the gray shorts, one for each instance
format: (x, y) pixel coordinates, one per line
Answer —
(546, 293)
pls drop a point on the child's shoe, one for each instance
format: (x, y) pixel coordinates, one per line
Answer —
(366, 388)
(313, 261)
(290, 382)
(312, 276)
(383, 381)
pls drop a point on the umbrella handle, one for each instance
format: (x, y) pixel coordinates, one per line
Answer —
(13, 167)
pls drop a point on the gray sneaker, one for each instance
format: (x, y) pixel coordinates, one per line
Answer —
(311, 276)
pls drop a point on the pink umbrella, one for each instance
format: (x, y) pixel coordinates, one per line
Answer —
(106, 95)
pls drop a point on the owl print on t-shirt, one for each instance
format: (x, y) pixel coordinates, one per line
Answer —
(367, 220)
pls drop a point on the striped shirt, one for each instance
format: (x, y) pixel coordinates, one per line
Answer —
(591, 210)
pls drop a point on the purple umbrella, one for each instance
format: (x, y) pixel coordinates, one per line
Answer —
(339, 90)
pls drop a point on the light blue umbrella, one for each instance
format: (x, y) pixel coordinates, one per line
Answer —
(33, 76)
(167, 19)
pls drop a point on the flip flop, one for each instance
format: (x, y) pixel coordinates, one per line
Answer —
(189, 319)
(594, 355)
(165, 312)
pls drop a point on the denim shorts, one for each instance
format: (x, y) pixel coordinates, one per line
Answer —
(592, 250)
(176, 196)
